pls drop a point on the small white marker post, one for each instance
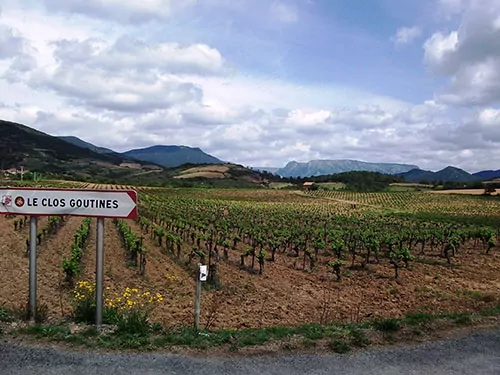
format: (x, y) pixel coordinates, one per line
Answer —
(201, 275)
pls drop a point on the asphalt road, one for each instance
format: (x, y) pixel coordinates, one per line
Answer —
(477, 354)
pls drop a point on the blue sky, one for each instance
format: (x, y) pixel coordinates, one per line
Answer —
(261, 82)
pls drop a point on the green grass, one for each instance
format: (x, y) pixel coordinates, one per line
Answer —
(341, 337)
(339, 346)
(331, 185)
(280, 185)
(5, 315)
(387, 325)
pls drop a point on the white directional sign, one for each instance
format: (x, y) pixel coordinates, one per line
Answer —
(203, 273)
(77, 202)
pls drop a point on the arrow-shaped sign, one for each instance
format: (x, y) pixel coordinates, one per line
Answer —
(77, 202)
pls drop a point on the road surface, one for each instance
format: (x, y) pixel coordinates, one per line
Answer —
(477, 353)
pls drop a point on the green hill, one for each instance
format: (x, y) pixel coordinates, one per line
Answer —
(448, 174)
(81, 143)
(53, 157)
(37, 151)
(172, 156)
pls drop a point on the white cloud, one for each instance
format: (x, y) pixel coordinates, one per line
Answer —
(470, 56)
(285, 13)
(116, 86)
(127, 53)
(450, 8)
(130, 11)
(406, 35)
(11, 43)
(438, 48)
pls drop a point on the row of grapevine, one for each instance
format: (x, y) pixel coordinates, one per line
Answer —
(72, 266)
(306, 231)
(133, 245)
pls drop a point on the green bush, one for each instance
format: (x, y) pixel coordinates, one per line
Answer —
(134, 322)
(387, 325)
(129, 311)
(339, 346)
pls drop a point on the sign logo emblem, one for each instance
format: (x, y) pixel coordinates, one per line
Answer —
(19, 201)
(7, 200)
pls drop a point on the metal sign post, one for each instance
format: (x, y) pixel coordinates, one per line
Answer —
(61, 202)
(201, 275)
(32, 268)
(99, 268)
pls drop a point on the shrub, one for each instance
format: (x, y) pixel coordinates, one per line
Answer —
(339, 346)
(129, 310)
(84, 302)
(387, 325)
(5, 315)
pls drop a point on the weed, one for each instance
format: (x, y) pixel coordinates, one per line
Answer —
(89, 332)
(156, 328)
(492, 311)
(416, 331)
(312, 331)
(339, 346)
(134, 322)
(387, 325)
(463, 319)
(308, 343)
(5, 315)
(419, 318)
(47, 331)
(358, 338)
(41, 313)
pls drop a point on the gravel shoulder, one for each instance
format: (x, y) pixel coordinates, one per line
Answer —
(476, 353)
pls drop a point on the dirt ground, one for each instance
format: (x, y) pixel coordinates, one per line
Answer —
(284, 295)
(461, 191)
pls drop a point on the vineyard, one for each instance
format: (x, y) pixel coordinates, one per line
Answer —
(274, 257)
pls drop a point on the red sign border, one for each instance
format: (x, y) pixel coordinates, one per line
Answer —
(131, 193)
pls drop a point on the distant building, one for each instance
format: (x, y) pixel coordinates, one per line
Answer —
(308, 185)
(13, 171)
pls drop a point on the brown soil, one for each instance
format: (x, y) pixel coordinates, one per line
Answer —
(284, 295)
(207, 174)
(209, 168)
(14, 266)
(119, 274)
(461, 191)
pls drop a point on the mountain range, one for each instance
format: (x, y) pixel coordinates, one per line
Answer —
(68, 155)
(172, 156)
(81, 143)
(22, 147)
(449, 173)
(165, 156)
(326, 167)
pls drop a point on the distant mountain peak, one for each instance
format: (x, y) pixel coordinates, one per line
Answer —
(325, 167)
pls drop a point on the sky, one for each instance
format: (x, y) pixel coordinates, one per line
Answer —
(261, 82)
